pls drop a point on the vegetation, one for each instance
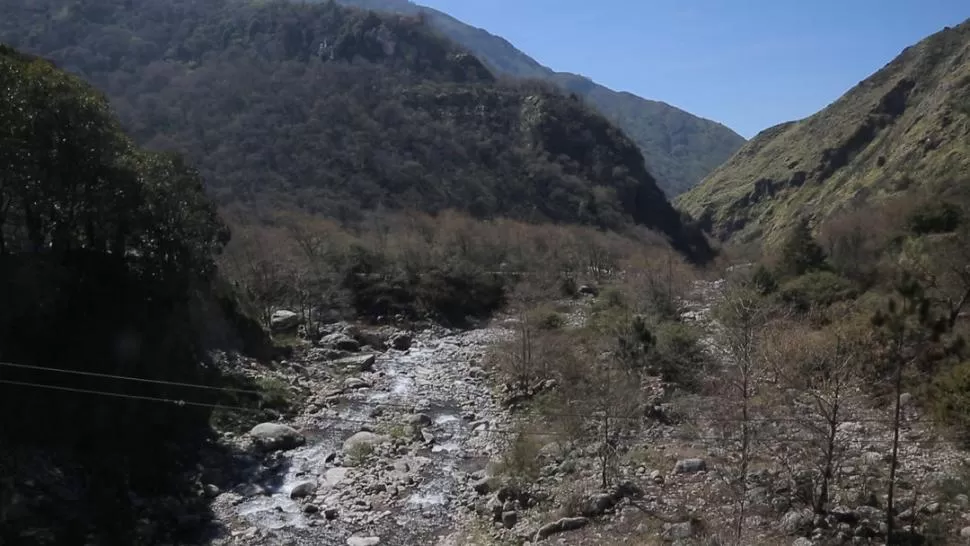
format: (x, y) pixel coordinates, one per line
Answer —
(335, 111)
(900, 131)
(108, 248)
(680, 149)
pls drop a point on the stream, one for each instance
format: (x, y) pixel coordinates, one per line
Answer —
(412, 485)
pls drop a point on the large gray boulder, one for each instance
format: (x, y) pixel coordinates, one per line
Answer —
(284, 321)
(275, 436)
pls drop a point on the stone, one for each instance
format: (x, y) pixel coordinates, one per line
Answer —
(965, 532)
(419, 420)
(363, 363)
(311, 509)
(363, 438)
(363, 541)
(211, 490)
(284, 321)
(355, 383)
(690, 466)
(802, 541)
(509, 519)
(657, 477)
(340, 342)
(482, 486)
(679, 531)
(561, 525)
(331, 513)
(302, 490)
(796, 522)
(275, 436)
(401, 341)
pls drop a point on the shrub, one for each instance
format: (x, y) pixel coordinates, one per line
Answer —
(678, 356)
(764, 280)
(816, 289)
(950, 396)
(938, 217)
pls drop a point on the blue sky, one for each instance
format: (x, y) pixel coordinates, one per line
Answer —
(749, 64)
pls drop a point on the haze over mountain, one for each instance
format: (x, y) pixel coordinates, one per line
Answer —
(679, 148)
(906, 128)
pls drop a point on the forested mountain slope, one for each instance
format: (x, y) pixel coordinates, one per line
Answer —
(680, 148)
(336, 110)
(903, 131)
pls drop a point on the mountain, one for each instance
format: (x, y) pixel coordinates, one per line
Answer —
(335, 110)
(904, 131)
(680, 149)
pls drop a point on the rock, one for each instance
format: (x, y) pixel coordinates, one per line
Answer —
(965, 532)
(690, 466)
(311, 509)
(401, 341)
(363, 541)
(482, 486)
(427, 436)
(802, 541)
(419, 420)
(597, 505)
(679, 531)
(211, 490)
(905, 398)
(340, 342)
(331, 513)
(302, 490)
(796, 522)
(284, 321)
(372, 339)
(363, 363)
(274, 436)
(657, 477)
(363, 439)
(333, 476)
(588, 290)
(561, 525)
(354, 383)
(509, 519)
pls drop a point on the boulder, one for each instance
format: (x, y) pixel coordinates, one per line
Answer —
(401, 341)
(275, 436)
(284, 321)
(690, 466)
(341, 342)
(363, 541)
(363, 363)
(363, 438)
(302, 490)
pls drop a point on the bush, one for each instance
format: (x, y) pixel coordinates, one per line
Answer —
(938, 217)
(764, 280)
(949, 394)
(816, 289)
(568, 287)
(547, 319)
(678, 356)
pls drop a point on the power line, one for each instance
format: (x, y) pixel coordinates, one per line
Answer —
(128, 378)
(412, 406)
(574, 435)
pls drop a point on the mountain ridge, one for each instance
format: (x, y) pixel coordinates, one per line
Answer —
(902, 129)
(679, 147)
(335, 110)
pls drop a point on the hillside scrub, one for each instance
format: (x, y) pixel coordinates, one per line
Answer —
(414, 266)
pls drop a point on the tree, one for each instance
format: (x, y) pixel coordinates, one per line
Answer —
(613, 402)
(817, 373)
(910, 333)
(800, 252)
(742, 316)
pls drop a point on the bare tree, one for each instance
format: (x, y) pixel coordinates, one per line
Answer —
(613, 402)
(817, 374)
(741, 317)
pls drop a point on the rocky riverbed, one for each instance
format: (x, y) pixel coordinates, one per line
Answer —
(386, 449)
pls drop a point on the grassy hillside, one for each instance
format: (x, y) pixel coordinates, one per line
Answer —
(902, 131)
(680, 149)
(336, 111)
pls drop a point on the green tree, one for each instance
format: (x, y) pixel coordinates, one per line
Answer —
(800, 253)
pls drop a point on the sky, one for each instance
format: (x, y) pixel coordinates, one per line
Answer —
(749, 64)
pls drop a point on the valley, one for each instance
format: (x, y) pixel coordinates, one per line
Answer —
(300, 273)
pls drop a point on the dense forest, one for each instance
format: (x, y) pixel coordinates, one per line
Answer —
(106, 261)
(334, 110)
